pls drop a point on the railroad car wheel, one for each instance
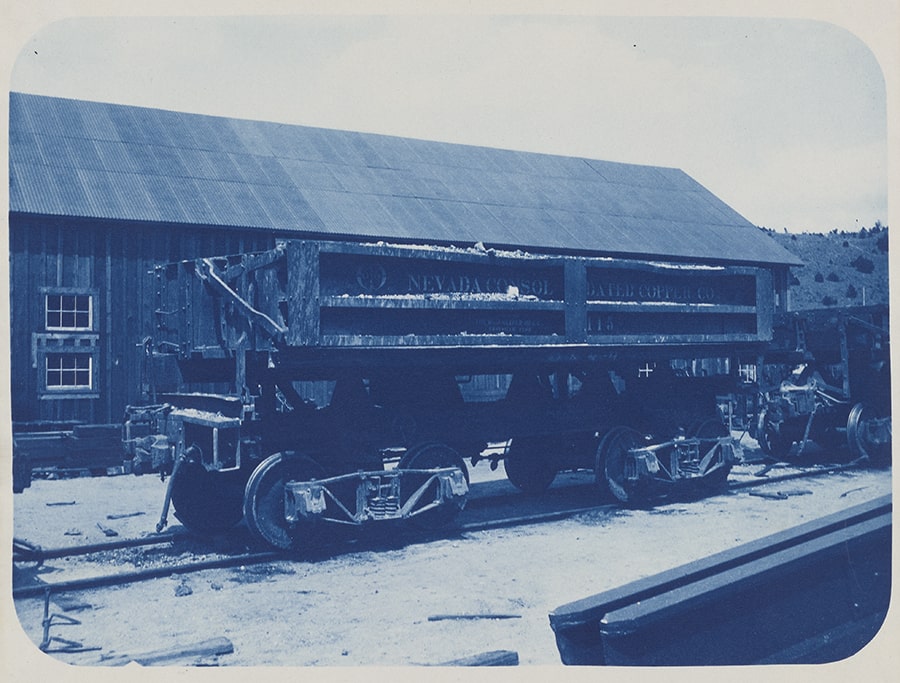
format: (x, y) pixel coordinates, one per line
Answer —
(531, 463)
(207, 502)
(264, 499)
(858, 437)
(430, 456)
(610, 462)
(771, 439)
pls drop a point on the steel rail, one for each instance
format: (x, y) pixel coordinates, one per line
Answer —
(563, 514)
(803, 474)
(39, 554)
(120, 578)
(269, 556)
(142, 574)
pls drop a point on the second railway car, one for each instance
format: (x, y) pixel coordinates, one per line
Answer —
(288, 382)
(826, 380)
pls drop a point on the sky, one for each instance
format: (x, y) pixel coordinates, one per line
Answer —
(783, 119)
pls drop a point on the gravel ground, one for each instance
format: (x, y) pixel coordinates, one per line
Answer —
(367, 608)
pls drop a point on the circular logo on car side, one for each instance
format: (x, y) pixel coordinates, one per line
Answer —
(371, 277)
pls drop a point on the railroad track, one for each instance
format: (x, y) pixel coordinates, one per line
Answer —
(24, 553)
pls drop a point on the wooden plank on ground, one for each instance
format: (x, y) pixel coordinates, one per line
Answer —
(206, 648)
(492, 658)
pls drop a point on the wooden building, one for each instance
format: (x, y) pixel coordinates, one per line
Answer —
(100, 193)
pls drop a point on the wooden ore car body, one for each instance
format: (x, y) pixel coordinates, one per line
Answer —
(319, 360)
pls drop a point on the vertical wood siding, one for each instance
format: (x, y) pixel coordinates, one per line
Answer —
(113, 260)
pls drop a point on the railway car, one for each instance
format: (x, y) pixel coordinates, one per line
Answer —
(331, 382)
(826, 380)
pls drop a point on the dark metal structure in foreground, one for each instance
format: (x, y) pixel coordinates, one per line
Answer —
(812, 594)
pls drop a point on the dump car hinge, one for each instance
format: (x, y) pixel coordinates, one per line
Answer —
(207, 272)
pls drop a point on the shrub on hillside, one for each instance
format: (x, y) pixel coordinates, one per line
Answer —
(862, 264)
(851, 292)
(833, 277)
(829, 301)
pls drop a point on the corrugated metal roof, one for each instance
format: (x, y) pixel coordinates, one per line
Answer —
(90, 159)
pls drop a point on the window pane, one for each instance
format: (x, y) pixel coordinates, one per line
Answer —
(68, 311)
(68, 370)
(53, 319)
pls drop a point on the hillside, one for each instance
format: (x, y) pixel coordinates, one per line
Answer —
(842, 268)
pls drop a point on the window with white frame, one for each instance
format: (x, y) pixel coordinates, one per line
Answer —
(68, 371)
(66, 345)
(68, 311)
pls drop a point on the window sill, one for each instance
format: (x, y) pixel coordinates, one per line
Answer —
(53, 395)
